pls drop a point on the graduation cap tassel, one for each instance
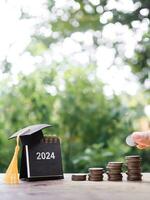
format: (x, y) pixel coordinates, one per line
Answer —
(12, 176)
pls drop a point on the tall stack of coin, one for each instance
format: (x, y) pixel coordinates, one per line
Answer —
(114, 171)
(95, 174)
(133, 164)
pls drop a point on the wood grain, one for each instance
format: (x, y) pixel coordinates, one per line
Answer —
(73, 190)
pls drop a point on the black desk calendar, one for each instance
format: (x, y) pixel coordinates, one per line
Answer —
(41, 156)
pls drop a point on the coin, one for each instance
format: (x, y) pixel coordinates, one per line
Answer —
(130, 141)
(95, 176)
(95, 179)
(134, 171)
(115, 179)
(115, 175)
(132, 178)
(134, 175)
(96, 170)
(134, 168)
(133, 157)
(133, 164)
(78, 177)
(115, 164)
(114, 171)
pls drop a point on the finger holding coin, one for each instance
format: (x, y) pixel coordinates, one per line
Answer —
(139, 139)
(142, 138)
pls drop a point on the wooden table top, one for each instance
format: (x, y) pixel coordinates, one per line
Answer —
(77, 190)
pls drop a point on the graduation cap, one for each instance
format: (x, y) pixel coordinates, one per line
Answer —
(36, 156)
(31, 134)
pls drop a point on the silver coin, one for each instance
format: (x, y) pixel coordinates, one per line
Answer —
(130, 141)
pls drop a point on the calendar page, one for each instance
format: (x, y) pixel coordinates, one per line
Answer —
(43, 160)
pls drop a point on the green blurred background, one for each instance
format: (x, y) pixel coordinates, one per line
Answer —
(82, 66)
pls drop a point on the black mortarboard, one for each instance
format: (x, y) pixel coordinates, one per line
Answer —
(31, 134)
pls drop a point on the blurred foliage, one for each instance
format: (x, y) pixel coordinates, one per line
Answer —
(92, 127)
(84, 15)
(141, 61)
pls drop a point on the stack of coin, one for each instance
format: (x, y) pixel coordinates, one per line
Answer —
(114, 171)
(95, 174)
(79, 177)
(133, 164)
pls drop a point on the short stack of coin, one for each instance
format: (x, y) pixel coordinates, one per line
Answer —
(95, 174)
(114, 171)
(133, 164)
(79, 177)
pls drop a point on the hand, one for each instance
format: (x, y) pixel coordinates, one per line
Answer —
(142, 139)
